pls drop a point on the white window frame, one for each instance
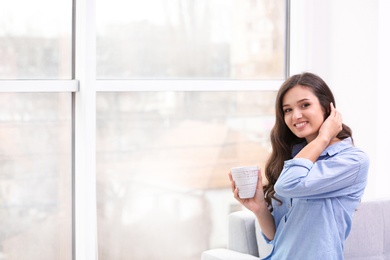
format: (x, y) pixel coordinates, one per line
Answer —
(39, 85)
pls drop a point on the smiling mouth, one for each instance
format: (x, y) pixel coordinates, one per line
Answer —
(300, 125)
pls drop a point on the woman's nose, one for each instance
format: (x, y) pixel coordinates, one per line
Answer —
(297, 114)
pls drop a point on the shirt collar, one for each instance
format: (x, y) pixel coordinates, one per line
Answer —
(330, 150)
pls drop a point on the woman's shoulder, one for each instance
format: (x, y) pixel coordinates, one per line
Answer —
(345, 153)
(347, 148)
(354, 157)
(356, 153)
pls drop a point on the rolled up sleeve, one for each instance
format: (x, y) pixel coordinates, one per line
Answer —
(330, 177)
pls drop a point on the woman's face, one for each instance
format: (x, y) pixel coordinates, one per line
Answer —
(303, 113)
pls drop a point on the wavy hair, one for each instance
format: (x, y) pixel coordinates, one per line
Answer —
(282, 139)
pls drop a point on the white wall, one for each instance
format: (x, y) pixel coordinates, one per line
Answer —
(346, 43)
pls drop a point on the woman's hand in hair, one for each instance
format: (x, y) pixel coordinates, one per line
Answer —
(326, 136)
(331, 126)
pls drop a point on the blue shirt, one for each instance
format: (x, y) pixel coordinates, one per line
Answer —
(318, 202)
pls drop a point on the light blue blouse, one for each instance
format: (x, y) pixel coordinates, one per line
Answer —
(319, 200)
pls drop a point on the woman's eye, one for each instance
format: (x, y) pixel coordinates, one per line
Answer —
(287, 110)
(305, 105)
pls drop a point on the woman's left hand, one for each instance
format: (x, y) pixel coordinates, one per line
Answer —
(333, 125)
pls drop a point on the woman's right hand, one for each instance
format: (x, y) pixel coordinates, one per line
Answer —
(253, 204)
(258, 206)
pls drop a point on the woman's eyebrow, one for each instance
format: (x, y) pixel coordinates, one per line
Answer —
(303, 100)
(299, 101)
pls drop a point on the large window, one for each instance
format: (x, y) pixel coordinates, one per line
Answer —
(116, 143)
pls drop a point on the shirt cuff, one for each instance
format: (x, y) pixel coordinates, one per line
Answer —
(271, 242)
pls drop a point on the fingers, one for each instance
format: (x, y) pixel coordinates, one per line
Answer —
(260, 179)
(337, 115)
(234, 188)
(333, 124)
(332, 108)
(232, 183)
(334, 111)
(235, 192)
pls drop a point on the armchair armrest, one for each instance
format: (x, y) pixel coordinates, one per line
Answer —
(242, 241)
(242, 233)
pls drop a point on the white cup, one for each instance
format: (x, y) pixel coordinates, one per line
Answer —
(245, 178)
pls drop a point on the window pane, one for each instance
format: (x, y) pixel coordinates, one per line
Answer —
(35, 173)
(162, 165)
(223, 39)
(35, 39)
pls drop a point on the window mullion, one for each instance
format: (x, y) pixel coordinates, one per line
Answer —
(85, 128)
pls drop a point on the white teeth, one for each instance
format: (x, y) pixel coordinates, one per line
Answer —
(300, 124)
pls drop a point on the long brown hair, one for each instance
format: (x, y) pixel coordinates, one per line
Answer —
(282, 139)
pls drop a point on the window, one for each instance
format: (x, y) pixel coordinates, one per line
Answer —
(119, 140)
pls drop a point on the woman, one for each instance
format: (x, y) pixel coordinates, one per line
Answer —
(316, 177)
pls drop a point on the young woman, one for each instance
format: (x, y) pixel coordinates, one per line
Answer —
(316, 177)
